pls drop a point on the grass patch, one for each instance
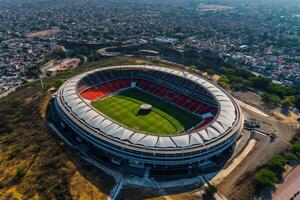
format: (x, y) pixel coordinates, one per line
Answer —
(164, 119)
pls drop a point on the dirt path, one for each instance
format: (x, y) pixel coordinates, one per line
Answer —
(225, 172)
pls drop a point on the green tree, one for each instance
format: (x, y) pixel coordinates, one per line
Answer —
(288, 101)
(296, 148)
(260, 82)
(277, 164)
(192, 68)
(82, 59)
(290, 157)
(60, 52)
(210, 71)
(224, 82)
(279, 90)
(265, 178)
(227, 71)
(57, 83)
(246, 83)
(271, 98)
(212, 189)
(297, 101)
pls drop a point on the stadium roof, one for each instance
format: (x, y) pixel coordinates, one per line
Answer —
(225, 119)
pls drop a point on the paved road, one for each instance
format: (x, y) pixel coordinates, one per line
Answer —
(289, 187)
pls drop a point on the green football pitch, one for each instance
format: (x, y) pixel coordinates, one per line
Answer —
(163, 120)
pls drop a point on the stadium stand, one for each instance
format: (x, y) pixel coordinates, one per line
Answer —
(105, 140)
(185, 102)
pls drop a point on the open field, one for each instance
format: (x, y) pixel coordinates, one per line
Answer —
(43, 33)
(164, 119)
(205, 8)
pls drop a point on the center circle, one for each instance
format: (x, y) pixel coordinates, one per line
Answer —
(145, 109)
(145, 106)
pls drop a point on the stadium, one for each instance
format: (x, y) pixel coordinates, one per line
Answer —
(146, 118)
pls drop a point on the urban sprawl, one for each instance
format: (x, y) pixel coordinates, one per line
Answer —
(261, 37)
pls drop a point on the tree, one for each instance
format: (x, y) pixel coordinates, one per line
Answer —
(82, 59)
(297, 101)
(277, 164)
(265, 178)
(237, 86)
(279, 90)
(288, 101)
(296, 148)
(246, 74)
(271, 98)
(60, 52)
(210, 71)
(290, 157)
(34, 70)
(58, 83)
(260, 82)
(227, 71)
(224, 82)
(192, 68)
(246, 83)
(212, 189)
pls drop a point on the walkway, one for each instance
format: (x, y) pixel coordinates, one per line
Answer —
(225, 172)
(251, 108)
(289, 187)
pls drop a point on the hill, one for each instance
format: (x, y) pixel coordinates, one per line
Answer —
(34, 162)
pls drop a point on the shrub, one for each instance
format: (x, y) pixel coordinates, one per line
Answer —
(212, 189)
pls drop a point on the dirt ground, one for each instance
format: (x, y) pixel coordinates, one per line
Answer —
(287, 116)
(250, 98)
(43, 33)
(238, 185)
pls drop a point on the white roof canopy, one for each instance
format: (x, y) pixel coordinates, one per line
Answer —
(225, 119)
